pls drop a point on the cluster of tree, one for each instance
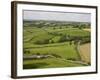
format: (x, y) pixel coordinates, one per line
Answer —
(54, 24)
(85, 39)
(81, 26)
(45, 41)
(26, 51)
(73, 59)
(82, 39)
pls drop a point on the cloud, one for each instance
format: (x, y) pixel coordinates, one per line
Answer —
(58, 16)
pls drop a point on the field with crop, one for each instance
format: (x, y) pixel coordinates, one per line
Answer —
(48, 44)
(85, 52)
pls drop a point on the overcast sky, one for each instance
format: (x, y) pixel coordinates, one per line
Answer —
(58, 16)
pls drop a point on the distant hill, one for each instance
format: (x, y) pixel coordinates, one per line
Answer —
(52, 23)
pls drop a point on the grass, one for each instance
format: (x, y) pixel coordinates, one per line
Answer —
(63, 49)
(47, 63)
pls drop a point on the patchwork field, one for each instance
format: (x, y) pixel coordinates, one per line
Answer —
(49, 46)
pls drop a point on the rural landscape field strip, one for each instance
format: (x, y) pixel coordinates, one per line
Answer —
(50, 62)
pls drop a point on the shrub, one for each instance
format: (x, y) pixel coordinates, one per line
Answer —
(62, 38)
(42, 42)
(26, 51)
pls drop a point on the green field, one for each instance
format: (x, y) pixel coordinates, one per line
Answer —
(53, 45)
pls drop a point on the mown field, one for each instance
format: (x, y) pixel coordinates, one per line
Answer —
(85, 52)
(58, 43)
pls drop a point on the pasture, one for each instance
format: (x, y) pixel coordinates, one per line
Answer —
(59, 41)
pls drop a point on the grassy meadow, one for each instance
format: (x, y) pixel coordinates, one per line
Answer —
(52, 44)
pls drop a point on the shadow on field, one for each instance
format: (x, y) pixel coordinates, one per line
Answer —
(34, 65)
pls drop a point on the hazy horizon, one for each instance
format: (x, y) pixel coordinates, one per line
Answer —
(56, 16)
